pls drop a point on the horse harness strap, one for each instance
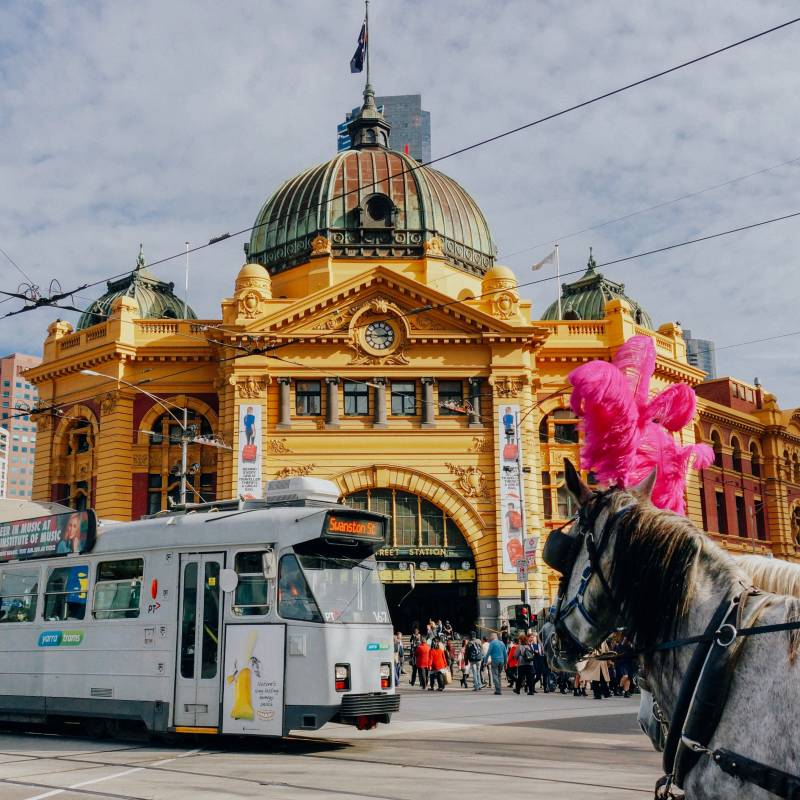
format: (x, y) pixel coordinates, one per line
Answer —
(701, 701)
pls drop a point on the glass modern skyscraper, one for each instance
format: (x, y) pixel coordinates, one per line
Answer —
(700, 354)
(411, 126)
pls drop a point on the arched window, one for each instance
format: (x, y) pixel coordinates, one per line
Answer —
(737, 454)
(755, 460)
(716, 443)
(78, 445)
(415, 522)
(559, 427)
(163, 480)
(795, 469)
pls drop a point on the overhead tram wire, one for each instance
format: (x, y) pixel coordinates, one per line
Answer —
(267, 350)
(481, 143)
(656, 206)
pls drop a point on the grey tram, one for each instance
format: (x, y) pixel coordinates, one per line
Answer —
(245, 618)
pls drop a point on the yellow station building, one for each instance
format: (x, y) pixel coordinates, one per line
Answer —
(370, 339)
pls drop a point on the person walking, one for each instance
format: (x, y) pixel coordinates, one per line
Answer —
(475, 658)
(438, 665)
(525, 658)
(497, 655)
(485, 662)
(399, 655)
(511, 664)
(422, 658)
(415, 640)
(463, 662)
(540, 671)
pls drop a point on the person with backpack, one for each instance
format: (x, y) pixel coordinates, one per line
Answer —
(525, 660)
(474, 655)
(415, 640)
(422, 658)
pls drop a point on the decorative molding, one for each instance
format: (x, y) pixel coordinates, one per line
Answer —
(506, 386)
(480, 444)
(250, 303)
(277, 447)
(295, 472)
(320, 246)
(433, 248)
(108, 402)
(251, 387)
(141, 459)
(471, 480)
(362, 358)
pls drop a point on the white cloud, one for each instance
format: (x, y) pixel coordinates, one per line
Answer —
(158, 123)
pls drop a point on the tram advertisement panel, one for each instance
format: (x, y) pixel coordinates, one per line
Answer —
(54, 535)
(249, 457)
(252, 700)
(512, 498)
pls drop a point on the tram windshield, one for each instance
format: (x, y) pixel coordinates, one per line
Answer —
(346, 589)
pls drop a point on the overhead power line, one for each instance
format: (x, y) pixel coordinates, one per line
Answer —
(481, 143)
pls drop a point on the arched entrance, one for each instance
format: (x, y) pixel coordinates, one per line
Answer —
(427, 567)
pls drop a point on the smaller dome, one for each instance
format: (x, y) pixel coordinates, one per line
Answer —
(251, 270)
(586, 298)
(155, 299)
(501, 273)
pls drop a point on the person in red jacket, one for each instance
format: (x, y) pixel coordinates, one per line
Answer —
(422, 658)
(438, 665)
(511, 667)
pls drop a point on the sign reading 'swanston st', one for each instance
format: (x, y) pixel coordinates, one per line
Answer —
(54, 535)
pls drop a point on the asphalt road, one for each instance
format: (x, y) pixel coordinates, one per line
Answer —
(452, 744)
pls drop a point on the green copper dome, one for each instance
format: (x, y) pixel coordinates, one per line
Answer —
(586, 298)
(155, 298)
(371, 202)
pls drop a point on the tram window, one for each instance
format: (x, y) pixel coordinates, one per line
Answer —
(117, 589)
(65, 595)
(295, 600)
(188, 620)
(251, 597)
(18, 595)
(208, 655)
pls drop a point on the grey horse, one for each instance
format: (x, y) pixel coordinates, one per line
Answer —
(660, 579)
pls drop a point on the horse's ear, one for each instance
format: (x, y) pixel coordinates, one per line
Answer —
(644, 489)
(579, 490)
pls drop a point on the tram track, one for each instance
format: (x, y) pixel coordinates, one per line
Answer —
(88, 763)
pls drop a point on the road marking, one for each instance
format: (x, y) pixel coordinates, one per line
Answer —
(80, 785)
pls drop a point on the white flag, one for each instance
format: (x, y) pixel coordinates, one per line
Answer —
(548, 259)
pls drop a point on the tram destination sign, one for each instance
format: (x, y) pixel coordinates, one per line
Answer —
(44, 537)
(352, 527)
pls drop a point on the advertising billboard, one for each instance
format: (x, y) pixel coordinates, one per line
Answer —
(53, 535)
(249, 456)
(512, 498)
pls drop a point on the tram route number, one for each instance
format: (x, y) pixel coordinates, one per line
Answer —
(382, 616)
(153, 607)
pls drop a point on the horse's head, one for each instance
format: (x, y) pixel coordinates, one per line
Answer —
(587, 610)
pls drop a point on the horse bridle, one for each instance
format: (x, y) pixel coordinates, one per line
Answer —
(561, 552)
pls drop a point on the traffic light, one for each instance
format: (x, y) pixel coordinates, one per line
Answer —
(522, 616)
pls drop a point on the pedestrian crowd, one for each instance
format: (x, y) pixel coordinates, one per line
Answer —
(438, 656)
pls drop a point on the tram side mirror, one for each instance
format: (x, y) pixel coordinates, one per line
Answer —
(228, 580)
(269, 564)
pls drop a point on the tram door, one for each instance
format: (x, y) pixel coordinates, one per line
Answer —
(199, 663)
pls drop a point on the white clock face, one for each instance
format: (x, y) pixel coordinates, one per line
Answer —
(379, 335)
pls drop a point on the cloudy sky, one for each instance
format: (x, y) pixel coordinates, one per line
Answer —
(159, 123)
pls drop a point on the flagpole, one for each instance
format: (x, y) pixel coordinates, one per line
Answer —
(558, 280)
(366, 28)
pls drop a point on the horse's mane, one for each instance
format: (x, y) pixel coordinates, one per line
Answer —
(771, 574)
(655, 555)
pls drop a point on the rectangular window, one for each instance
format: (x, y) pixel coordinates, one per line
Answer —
(308, 398)
(406, 520)
(451, 398)
(252, 592)
(432, 525)
(65, 595)
(761, 519)
(118, 588)
(356, 399)
(18, 594)
(741, 516)
(404, 398)
(722, 513)
(547, 496)
(295, 600)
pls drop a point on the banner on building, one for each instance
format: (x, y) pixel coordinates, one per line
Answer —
(249, 457)
(512, 498)
(54, 535)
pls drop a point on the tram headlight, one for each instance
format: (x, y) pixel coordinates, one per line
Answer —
(341, 677)
(386, 676)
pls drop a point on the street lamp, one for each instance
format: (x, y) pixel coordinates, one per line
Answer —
(186, 436)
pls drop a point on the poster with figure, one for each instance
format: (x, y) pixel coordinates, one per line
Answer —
(252, 700)
(249, 457)
(511, 489)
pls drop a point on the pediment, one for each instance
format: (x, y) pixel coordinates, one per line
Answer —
(424, 312)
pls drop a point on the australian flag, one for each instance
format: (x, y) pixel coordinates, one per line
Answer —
(357, 61)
